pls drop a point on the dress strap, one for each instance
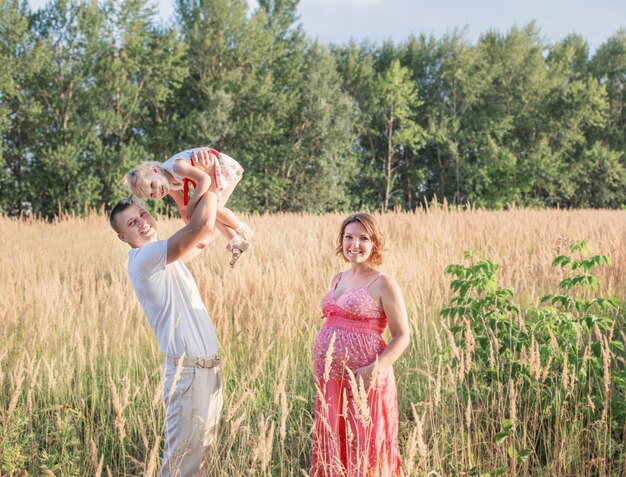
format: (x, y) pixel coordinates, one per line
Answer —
(187, 182)
(373, 280)
(337, 282)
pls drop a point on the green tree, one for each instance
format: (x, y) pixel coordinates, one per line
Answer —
(139, 70)
(357, 67)
(214, 35)
(600, 178)
(574, 114)
(321, 162)
(397, 102)
(266, 108)
(609, 68)
(502, 129)
(451, 80)
(22, 59)
(63, 176)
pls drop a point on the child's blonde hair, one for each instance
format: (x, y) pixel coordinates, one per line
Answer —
(134, 179)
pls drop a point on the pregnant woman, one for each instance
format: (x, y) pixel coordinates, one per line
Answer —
(356, 411)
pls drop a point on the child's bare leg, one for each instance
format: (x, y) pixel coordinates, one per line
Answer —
(227, 231)
(226, 193)
(227, 217)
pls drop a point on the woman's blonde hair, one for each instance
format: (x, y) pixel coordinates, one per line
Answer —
(373, 230)
(133, 179)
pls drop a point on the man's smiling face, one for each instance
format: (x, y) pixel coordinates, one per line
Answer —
(135, 226)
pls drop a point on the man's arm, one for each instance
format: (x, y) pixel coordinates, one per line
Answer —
(200, 226)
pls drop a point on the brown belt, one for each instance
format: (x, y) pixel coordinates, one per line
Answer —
(194, 362)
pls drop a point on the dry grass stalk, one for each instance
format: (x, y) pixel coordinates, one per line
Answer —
(119, 399)
(359, 398)
(98, 472)
(153, 458)
(452, 344)
(470, 346)
(259, 364)
(565, 378)
(93, 454)
(468, 414)
(437, 393)
(262, 451)
(280, 398)
(234, 427)
(157, 397)
(534, 359)
(328, 360)
(17, 390)
(513, 403)
(345, 412)
(606, 367)
(418, 438)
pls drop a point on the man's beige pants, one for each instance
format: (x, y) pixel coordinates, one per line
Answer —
(193, 406)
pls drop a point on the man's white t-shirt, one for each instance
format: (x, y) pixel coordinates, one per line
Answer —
(172, 303)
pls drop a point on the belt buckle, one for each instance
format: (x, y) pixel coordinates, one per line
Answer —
(206, 362)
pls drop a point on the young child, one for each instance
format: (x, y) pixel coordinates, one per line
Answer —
(155, 180)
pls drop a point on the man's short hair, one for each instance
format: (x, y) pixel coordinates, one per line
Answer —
(120, 207)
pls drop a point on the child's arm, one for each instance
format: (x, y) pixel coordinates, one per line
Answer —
(180, 204)
(201, 178)
(183, 243)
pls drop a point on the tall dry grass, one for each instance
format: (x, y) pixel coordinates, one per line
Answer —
(80, 373)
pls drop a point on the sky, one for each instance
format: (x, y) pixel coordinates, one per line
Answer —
(338, 21)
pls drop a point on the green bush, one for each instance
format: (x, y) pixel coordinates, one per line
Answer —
(558, 365)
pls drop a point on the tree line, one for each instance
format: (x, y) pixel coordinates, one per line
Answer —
(90, 89)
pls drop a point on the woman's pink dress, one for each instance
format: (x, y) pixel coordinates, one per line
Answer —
(353, 437)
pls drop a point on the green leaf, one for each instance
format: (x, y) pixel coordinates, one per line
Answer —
(546, 298)
(615, 302)
(501, 436)
(522, 455)
(561, 261)
(507, 425)
(580, 246)
(565, 301)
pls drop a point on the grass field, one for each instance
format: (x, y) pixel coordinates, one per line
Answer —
(80, 371)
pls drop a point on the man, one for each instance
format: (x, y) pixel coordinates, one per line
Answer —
(172, 303)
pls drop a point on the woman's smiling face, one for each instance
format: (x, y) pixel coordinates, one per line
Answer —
(357, 244)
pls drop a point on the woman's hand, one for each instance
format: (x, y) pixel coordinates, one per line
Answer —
(368, 374)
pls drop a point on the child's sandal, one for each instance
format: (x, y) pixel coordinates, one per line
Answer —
(235, 254)
(238, 245)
